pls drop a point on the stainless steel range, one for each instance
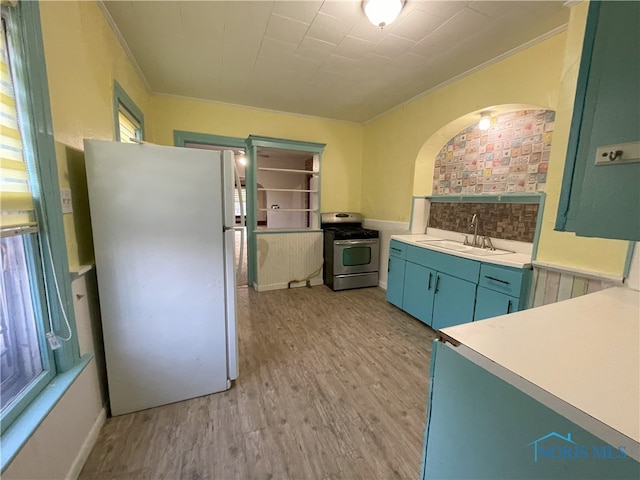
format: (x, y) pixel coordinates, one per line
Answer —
(351, 253)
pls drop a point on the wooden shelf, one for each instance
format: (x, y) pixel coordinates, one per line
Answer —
(287, 170)
(287, 210)
(286, 190)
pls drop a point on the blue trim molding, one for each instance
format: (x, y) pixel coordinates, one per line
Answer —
(120, 97)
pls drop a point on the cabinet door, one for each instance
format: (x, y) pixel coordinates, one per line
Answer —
(419, 285)
(395, 281)
(454, 301)
(604, 200)
(490, 303)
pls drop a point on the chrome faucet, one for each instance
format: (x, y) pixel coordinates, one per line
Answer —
(474, 225)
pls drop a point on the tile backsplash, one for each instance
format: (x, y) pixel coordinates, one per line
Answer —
(508, 221)
(512, 156)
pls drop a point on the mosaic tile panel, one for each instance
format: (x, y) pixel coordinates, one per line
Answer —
(512, 156)
(509, 221)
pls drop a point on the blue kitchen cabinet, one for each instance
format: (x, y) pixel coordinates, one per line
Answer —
(443, 290)
(604, 200)
(490, 303)
(434, 297)
(454, 301)
(395, 272)
(395, 280)
(501, 290)
(479, 425)
(418, 296)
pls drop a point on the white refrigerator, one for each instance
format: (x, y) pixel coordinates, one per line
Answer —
(163, 223)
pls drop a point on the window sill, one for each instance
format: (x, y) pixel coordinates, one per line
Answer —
(28, 422)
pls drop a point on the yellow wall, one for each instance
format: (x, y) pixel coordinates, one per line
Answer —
(83, 58)
(393, 143)
(400, 146)
(341, 159)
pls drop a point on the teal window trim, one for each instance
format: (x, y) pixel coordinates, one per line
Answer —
(181, 138)
(570, 165)
(122, 99)
(32, 96)
(23, 21)
(21, 430)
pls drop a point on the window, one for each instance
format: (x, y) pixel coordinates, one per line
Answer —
(129, 120)
(33, 260)
(22, 356)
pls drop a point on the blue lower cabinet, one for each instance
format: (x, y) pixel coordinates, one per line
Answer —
(454, 301)
(419, 283)
(490, 303)
(395, 281)
(481, 426)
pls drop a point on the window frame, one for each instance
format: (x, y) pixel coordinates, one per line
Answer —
(25, 45)
(123, 102)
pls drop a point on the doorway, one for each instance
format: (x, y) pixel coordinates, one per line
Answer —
(240, 207)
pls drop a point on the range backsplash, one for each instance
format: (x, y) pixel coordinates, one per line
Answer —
(508, 221)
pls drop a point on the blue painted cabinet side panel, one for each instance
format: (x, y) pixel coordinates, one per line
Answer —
(605, 200)
(395, 281)
(481, 427)
(490, 303)
(454, 301)
(419, 284)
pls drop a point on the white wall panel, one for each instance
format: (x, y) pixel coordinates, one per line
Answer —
(284, 257)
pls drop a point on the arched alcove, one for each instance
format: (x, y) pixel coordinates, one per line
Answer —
(426, 158)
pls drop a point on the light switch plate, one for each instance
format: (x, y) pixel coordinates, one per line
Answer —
(618, 153)
(65, 198)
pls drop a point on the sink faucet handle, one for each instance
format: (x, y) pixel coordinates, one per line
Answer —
(466, 240)
(486, 243)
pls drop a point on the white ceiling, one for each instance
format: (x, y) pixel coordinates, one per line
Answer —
(321, 58)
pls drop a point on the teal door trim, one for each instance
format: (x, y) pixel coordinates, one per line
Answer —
(181, 138)
(576, 120)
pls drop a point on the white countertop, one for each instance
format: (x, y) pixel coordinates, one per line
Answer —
(517, 260)
(584, 351)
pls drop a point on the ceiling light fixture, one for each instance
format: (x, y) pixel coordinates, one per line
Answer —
(485, 121)
(382, 12)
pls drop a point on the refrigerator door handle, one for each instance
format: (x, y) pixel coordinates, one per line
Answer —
(242, 220)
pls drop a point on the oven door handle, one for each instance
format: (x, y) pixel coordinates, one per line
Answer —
(356, 242)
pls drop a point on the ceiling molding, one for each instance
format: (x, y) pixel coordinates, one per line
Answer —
(124, 45)
(259, 109)
(499, 58)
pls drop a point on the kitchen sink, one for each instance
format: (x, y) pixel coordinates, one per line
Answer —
(460, 247)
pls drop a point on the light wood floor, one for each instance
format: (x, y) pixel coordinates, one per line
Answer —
(333, 385)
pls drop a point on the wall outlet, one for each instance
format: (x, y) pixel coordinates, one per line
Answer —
(65, 198)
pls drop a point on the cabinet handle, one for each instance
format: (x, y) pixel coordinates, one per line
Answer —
(509, 307)
(496, 279)
(396, 249)
(437, 283)
(430, 275)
